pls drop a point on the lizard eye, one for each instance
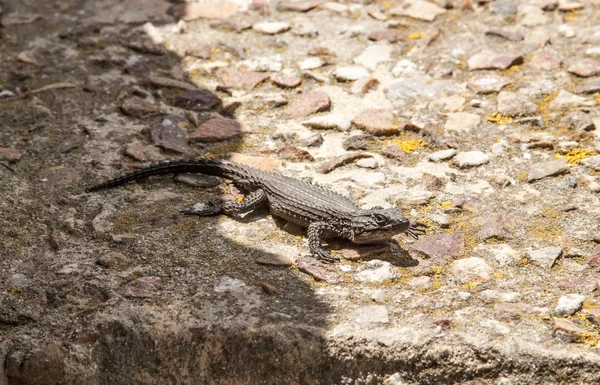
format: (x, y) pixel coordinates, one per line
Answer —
(379, 218)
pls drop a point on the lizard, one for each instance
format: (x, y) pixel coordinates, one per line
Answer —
(323, 212)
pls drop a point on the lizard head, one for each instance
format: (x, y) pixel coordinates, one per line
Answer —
(378, 224)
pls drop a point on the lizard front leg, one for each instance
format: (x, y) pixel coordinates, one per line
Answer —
(252, 201)
(315, 234)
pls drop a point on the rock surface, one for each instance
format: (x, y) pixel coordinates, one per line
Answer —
(118, 287)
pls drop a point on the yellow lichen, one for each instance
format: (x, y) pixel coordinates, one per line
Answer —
(522, 176)
(415, 35)
(551, 212)
(523, 262)
(464, 225)
(544, 231)
(499, 118)
(589, 338)
(444, 205)
(588, 305)
(385, 4)
(546, 225)
(469, 286)
(126, 223)
(572, 15)
(512, 70)
(410, 146)
(462, 65)
(598, 97)
(498, 275)
(544, 111)
(575, 155)
(14, 290)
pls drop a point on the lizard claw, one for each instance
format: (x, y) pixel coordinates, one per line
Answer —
(202, 209)
(326, 256)
(416, 229)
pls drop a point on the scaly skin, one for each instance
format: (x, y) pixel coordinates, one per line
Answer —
(324, 212)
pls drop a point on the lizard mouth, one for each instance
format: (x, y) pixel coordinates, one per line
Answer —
(375, 236)
(381, 234)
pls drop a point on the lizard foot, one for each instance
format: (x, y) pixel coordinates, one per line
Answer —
(416, 229)
(325, 256)
(203, 210)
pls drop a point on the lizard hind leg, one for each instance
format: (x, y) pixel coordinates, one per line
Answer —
(203, 210)
(251, 202)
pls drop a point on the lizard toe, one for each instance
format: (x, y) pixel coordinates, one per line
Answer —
(326, 256)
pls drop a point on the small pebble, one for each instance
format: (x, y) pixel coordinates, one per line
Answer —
(169, 132)
(471, 159)
(272, 28)
(312, 141)
(389, 35)
(418, 9)
(566, 100)
(328, 122)
(286, 81)
(516, 104)
(542, 170)
(471, 269)
(9, 154)
(485, 84)
(373, 55)
(376, 271)
(376, 122)
(545, 60)
(367, 163)
(217, 129)
(462, 122)
(363, 85)
(545, 257)
(585, 68)
(311, 63)
(441, 155)
(569, 304)
(488, 60)
(378, 296)
(308, 103)
(440, 245)
(346, 73)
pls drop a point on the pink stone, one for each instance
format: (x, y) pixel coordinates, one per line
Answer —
(585, 68)
(218, 129)
(441, 245)
(9, 154)
(545, 60)
(245, 80)
(309, 103)
(376, 122)
(319, 270)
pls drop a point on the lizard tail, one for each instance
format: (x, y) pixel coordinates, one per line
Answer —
(203, 166)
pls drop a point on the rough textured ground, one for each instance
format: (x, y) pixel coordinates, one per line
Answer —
(478, 117)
